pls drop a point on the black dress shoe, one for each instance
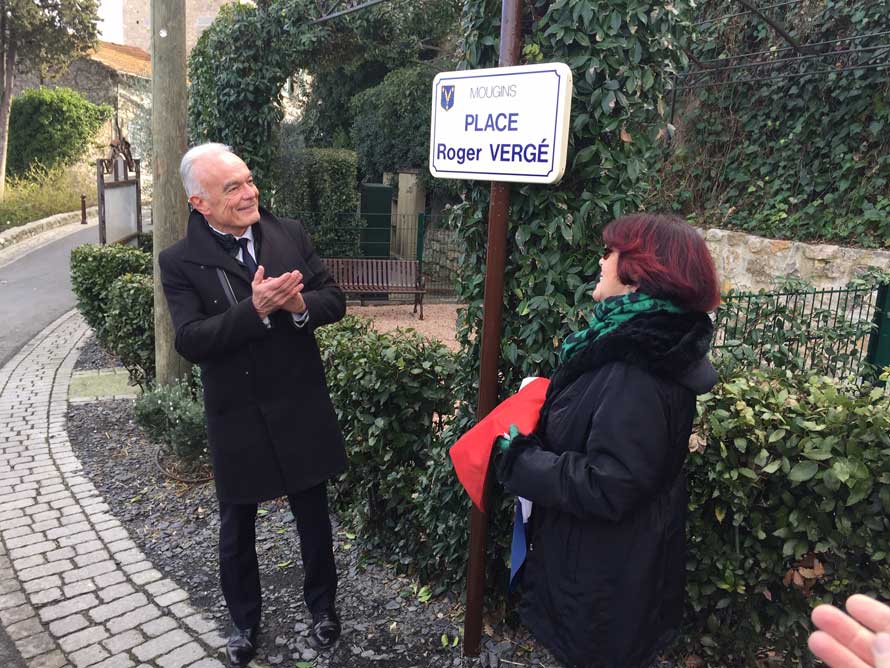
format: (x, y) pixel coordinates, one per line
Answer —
(241, 646)
(325, 629)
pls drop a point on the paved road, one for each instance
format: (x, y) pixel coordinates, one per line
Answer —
(77, 590)
(36, 290)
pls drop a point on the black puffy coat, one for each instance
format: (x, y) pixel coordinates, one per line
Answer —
(603, 584)
(270, 421)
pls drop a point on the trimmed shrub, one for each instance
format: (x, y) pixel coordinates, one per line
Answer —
(392, 121)
(789, 485)
(174, 416)
(318, 186)
(391, 392)
(129, 320)
(93, 269)
(52, 127)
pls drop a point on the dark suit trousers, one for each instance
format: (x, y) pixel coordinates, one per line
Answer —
(238, 568)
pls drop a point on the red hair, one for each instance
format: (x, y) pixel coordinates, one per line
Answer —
(664, 257)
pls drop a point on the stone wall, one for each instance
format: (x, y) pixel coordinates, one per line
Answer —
(750, 263)
(93, 80)
(134, 112)
(441, 248)
(744, 262)
(199, 14)
(128, 95)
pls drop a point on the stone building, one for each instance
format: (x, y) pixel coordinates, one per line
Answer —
(116, 75)
(135, 20)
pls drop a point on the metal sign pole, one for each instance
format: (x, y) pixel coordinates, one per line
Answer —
(493, 305)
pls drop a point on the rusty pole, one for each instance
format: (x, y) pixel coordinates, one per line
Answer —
(493, 307)
(83, 209)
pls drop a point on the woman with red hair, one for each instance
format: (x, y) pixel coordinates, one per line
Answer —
(603, 583)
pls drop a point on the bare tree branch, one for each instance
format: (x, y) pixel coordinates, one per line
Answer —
(775, 25)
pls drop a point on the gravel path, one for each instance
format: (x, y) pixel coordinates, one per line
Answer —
(176, 526)
(93, 356)
(439, 320)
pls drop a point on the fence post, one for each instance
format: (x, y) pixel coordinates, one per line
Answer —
(879, 340)
(421, 224)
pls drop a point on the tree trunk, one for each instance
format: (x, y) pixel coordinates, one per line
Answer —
(168, 123)
(8, 79)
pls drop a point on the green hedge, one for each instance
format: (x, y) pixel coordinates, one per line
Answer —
(93, 269)
(319, 186)
(789, 500)
(392, 121)
(129, 320)
(391, 392)
(51, 126)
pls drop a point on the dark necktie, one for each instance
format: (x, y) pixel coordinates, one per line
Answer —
(227, 241)
(246, 257)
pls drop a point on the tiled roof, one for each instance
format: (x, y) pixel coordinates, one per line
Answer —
(121, 58)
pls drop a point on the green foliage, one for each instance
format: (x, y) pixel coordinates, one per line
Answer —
(392, 122)
(173, 415)
(40, 193)
(329, 112)
(45, 35)
(129, 322)
(318, 186)
(237, 70)
(803, 158)
(93, 270)
(391, 392)
(241, 63)
(620, 53)
(359, 54)
(789, 498)
(52, 127)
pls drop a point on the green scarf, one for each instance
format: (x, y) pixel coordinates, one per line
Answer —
(609, 314)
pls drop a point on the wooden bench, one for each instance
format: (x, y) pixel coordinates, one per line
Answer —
(375, 276)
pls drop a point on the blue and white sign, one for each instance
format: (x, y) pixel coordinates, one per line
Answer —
(501, 124)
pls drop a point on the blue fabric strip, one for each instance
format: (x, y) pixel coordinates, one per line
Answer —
(519, 547)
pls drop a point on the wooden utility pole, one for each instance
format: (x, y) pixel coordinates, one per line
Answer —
(169, 212)
(492, 309)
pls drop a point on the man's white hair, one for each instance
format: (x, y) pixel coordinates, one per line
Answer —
(190, 181)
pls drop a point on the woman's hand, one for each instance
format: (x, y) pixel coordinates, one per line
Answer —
(502, 442)
(859, 638)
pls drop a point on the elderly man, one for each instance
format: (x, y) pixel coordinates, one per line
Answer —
(246, 290)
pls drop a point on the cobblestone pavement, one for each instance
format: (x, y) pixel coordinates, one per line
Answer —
(75, 591)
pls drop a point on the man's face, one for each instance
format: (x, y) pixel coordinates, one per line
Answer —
(231, 202)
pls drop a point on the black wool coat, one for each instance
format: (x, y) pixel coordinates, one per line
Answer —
(270, 421)
(603, 584)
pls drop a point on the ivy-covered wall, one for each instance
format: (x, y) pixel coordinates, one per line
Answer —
(804, 158)
(621, 53)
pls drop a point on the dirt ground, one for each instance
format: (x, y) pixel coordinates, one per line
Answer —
(439, 320)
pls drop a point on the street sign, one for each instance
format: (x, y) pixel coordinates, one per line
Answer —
(501, 124)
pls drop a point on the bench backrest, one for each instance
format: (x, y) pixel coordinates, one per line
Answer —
(371, 273)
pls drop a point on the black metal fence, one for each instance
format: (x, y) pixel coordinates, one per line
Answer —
(835, 332)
